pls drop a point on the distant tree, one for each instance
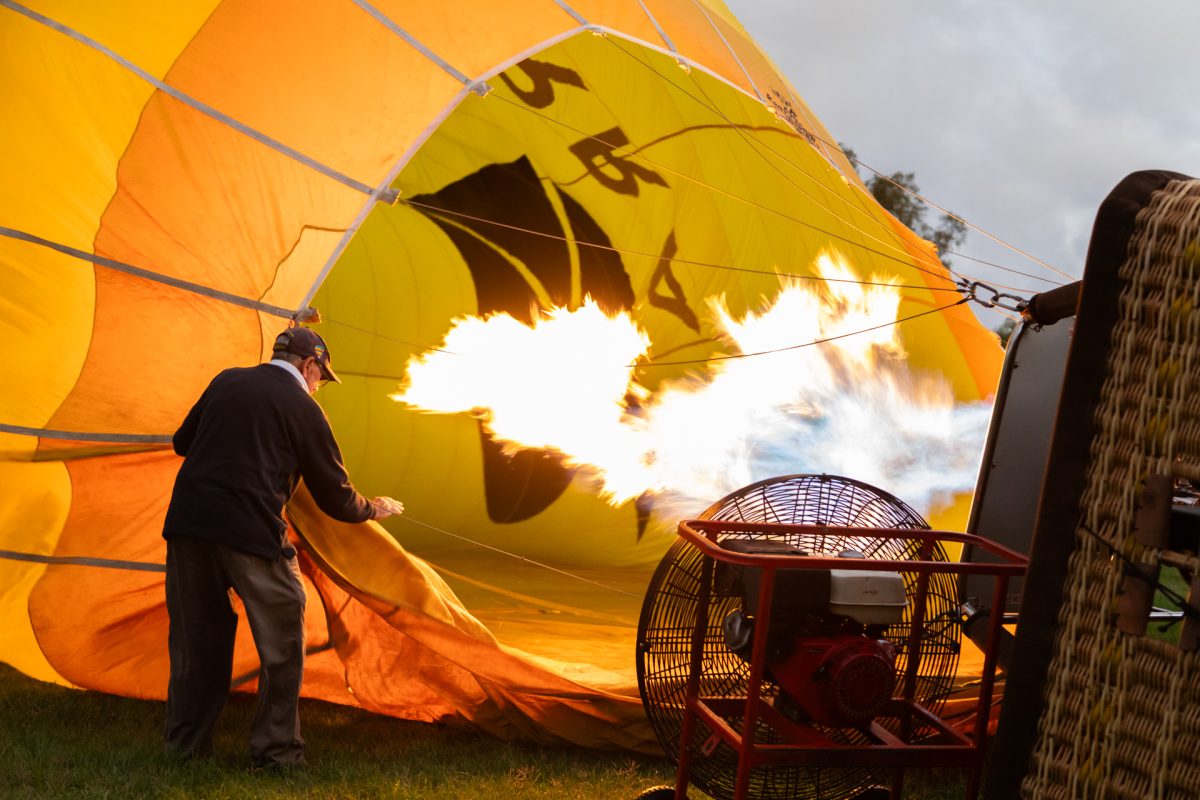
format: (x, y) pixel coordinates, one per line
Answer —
(897, 193)
(1005, 331)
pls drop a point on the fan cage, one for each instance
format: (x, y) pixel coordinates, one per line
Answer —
(669, 618)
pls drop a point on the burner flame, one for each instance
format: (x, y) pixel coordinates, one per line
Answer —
(848, 404)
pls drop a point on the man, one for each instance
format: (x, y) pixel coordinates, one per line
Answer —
(246, 443)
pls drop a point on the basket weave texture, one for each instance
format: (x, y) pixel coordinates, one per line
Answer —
(1121, 718)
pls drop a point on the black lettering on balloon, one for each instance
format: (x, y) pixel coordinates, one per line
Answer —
(675, 302)
(785, 110)
(617, 172)
(544, 75)
(520, 485)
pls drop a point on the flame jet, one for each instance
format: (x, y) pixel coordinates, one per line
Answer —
(181, 180)
(840, 399)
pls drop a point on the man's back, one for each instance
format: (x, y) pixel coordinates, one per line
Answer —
(246, 442)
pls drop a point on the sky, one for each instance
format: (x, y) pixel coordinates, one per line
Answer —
(1018, 115)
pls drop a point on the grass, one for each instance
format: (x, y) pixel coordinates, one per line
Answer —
(62, 743)
(1173, 580)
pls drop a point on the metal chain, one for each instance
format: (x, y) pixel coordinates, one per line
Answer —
(1009, 302)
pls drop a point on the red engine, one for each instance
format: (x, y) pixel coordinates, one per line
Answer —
(825, 634)
(841, 681)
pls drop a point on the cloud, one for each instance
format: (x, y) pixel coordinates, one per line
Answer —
(1020, 116)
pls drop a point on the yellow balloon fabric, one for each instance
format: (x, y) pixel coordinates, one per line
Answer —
(181, 179)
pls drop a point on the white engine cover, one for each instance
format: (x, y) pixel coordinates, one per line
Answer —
(867, 596)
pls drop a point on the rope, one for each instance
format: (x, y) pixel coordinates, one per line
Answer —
(972, 226)
(744, 355)
(518, 557)
(806, 344)
(147, 566)
(907, 261)
(748, 355)
(378, 335)
(659, 28)
(711, 107)
(708, 105)
(531, 600)
(1006, 269)
(689, 262)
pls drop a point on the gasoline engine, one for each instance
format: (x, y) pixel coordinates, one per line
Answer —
(826, 633)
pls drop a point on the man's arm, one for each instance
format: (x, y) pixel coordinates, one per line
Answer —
(327, 480)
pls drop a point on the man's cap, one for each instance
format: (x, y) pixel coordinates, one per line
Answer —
(306, 343)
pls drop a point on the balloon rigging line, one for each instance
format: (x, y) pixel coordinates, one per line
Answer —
(970, 225)
(746, 132)
(712, 107)
(539, 602)
(387, 194)
(908, 262)
(405, 517)
(540, 294)
(747, 135)
(751, 140)
(709, 106)
(676, 133)
(385, 337)
(1006, 269)
(638, 365)
(177, 283)
(684, 260)
(805, 344)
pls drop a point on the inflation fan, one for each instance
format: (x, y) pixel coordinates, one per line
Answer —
(843, 699)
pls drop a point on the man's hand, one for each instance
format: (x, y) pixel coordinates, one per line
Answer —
(384, 507)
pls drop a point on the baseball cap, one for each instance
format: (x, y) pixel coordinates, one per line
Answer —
(306, 343)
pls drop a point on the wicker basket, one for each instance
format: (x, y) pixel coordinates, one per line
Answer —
(1119, 713)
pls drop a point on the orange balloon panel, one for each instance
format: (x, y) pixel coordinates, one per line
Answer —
(186, 179)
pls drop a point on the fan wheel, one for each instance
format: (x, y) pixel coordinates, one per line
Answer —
(670, 612)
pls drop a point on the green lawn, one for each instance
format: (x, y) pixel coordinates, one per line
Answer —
(60, 743)
(1172, 579)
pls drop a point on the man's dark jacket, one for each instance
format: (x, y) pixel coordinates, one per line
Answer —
(246, 443)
